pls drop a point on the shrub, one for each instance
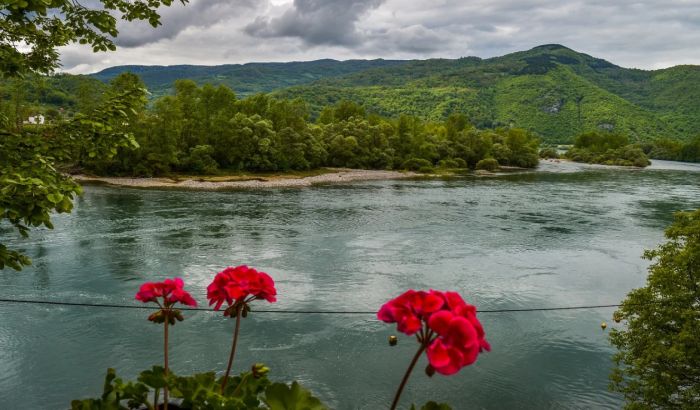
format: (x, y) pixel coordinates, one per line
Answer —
(487, 164)
(549, 152)
(415, 164)
(449, 163)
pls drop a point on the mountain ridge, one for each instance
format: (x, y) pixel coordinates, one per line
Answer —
(549, 89)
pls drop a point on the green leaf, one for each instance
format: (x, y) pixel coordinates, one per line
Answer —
(55, 197)
(153, 378)
(279, 396)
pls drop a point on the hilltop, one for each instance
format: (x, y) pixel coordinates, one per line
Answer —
(244, 79)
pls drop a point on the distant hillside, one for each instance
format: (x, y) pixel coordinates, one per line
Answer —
(60, 91)
(244, 79)
(552, 90)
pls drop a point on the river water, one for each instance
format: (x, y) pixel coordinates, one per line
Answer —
(564, 235)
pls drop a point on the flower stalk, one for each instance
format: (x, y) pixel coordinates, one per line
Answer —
(236, 330)
(165, 363)
(397, 396)
(165, 294)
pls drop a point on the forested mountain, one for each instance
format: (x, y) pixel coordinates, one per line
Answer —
(552, 90)
(245, 79)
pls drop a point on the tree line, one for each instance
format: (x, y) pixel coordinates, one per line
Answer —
(207, 130)
(674, 150)
(608, 149)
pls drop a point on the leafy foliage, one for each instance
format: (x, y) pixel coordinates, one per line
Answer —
(202, 391)
(206, 129)
(674, 150)
(279, 396)
(550, 90)
(45, 25)
(658, 359)
(32, 186)
(246, 79)
(607, 149)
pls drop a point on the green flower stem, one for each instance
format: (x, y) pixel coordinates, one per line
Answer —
(238, 388)
(408, 373)
(165, 351)
(239, 309)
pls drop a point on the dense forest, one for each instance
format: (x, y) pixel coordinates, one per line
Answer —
(607, 149)
(206, 130)
(550, 90)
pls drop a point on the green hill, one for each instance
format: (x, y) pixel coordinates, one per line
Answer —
(244, 79)
(552, 90)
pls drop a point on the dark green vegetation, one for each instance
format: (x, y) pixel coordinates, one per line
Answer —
(205, 129)
(246, 79)
(674, 150)
(57, 96)
(550, 90)
(251, 390)
(31, 187)
(606, 149)
(658, 363)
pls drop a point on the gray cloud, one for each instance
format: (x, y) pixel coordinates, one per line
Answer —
(316, 22)
(649, 34)
(197, 14)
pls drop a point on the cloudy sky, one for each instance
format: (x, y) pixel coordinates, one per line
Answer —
(643, 34)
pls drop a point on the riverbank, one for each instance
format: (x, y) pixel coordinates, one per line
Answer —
(332, 176)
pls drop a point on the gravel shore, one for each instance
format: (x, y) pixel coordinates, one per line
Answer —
(338, 176)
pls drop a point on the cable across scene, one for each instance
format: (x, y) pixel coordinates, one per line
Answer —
(283, 311)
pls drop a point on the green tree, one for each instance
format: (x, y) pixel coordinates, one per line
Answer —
(31, 186)
(658, 359)
(45, 25)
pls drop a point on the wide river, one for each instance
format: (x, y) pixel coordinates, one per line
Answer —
(565, 235)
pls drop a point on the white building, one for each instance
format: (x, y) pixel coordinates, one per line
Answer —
(35, 119)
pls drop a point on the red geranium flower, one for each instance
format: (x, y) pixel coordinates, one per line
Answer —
(237, 287)
(410, 309)
(236, 284)
(171, 290)
(457, 344)
(444, 324)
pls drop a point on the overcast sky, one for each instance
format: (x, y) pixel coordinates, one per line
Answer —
(641, 34)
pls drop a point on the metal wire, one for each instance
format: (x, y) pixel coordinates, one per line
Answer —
(282, 311)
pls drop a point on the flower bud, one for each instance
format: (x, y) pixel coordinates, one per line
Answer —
(430, 371)
(617, 317)
(259, 370)
(603, 325)
(178, 315)
(393, 340)
(157, 317)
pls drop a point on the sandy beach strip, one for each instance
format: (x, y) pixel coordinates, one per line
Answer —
(251, 182)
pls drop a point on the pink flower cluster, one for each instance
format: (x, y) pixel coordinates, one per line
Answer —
(452, 334)
(171, 290)
(236, 284)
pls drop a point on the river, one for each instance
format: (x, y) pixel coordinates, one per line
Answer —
(564, 235)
